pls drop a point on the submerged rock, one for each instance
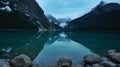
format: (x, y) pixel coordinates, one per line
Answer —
(21, 61)
(64, 62)
(92, 58)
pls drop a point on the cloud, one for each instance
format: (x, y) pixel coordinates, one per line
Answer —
(69, 8)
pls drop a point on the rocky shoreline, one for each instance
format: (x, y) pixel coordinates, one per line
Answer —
(111, 59)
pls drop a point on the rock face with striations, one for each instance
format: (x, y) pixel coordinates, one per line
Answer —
(22, 14)
(102, 17)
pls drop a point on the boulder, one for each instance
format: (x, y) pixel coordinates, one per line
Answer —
(114, 56)
(92, 58)
(64, 62)
(108, 64)
(21, 61)
(4, 63)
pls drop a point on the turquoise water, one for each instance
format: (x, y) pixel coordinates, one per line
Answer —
(58, 46)
(45, 48)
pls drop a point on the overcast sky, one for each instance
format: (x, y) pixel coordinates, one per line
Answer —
(69, 8)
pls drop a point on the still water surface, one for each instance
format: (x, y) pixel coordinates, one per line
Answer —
(45, 48)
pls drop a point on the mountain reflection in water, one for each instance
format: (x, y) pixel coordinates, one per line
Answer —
(97, 41)
(13, 43)
(59, 46)
(45, 48)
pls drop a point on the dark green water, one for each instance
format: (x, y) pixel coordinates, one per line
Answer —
(13, 43)
(45, 48)
(98, 42)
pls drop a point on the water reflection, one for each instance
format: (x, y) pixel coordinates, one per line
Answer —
(13, 43)
(97, 41)
(60, 45)
(45, 48)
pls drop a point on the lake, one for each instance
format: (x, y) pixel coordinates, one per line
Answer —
(45, 48)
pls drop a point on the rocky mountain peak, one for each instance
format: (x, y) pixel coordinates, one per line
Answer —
(105, 7)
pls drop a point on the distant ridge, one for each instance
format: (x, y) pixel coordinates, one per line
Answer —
(102, 17)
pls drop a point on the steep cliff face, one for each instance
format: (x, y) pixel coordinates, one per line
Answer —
(22, 14)
(102, 17)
